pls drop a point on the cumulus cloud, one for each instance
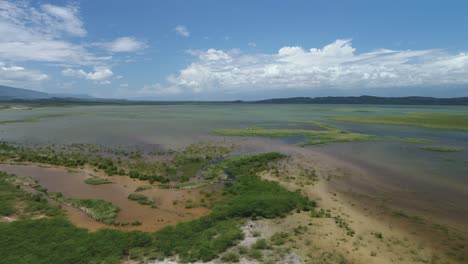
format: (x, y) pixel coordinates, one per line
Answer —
(40, 34)
(14, 74)
(337, 65)
(124, 44)
(182, 31)
(99, 74)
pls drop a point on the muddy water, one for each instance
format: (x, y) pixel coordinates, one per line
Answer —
(72, 185)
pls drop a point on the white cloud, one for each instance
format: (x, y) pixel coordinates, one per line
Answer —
(39, 34)
(157, 89)
(16, 74)
(182, 31)
(124, 44)
(336, 65)
(252, 44)
(99, 74)
(65, 18)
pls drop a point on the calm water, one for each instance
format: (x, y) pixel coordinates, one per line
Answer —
(173, 126)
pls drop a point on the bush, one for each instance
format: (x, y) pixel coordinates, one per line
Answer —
(140, 198)
(96, 181)
(230, 257)
(255, 254)
(100, 210)
(261, 244)
(279, 239)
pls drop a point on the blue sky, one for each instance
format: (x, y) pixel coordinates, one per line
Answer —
(227, 50)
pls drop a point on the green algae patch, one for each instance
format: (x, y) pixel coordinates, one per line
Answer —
(314, 137)
(442, 149)
(428, 120)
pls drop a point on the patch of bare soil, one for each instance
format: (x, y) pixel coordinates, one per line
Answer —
(380, 233)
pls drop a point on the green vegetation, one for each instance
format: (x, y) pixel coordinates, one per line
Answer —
(231, 257)
(140, 198)
(55, 240)
(414, 218)
(416, 140)
(15, 201)
(100, 210)
(39, 118)
(429, 120)
(143, 188)
(179, 166)
(442, 149)
(315, 137)
(279, 239)
(96, 181)
(261, 244)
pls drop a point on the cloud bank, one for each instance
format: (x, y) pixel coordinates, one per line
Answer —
(335, 66)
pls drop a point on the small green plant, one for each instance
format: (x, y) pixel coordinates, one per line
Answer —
(230, 257)
(279, 239)
(96, 181)
(255, 254)
(143, 188)
(261, 244)
(140, 198)
(242, 250)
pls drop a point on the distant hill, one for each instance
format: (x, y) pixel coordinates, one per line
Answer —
(8, 93)
(365, 99)
(17, 95)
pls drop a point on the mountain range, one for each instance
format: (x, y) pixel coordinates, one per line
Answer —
(29, 96)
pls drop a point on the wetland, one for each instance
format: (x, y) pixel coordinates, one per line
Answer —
(250, 183)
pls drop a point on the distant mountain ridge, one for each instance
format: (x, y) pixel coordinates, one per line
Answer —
(366, 99)
(12, 93)
(8, 93)
(18, 95)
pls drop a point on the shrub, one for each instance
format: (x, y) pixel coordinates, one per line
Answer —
(230, 257)
(255, 254)
(279, 239)
(96, 180)
(140, 198)
(261, 244)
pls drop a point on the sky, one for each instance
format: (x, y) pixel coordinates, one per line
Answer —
(235, 50)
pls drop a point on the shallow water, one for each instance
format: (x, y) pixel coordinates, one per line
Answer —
(72, 185)
(174, 126)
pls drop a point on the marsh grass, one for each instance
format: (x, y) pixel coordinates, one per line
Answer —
(55, 240)
(140, 198)
(16, 201)
(315, 137)
(100, 210)
(442, 149)
(416, 140)
(428, 120)
(96, 181)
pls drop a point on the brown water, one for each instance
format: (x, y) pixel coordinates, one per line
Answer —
(72, 185)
